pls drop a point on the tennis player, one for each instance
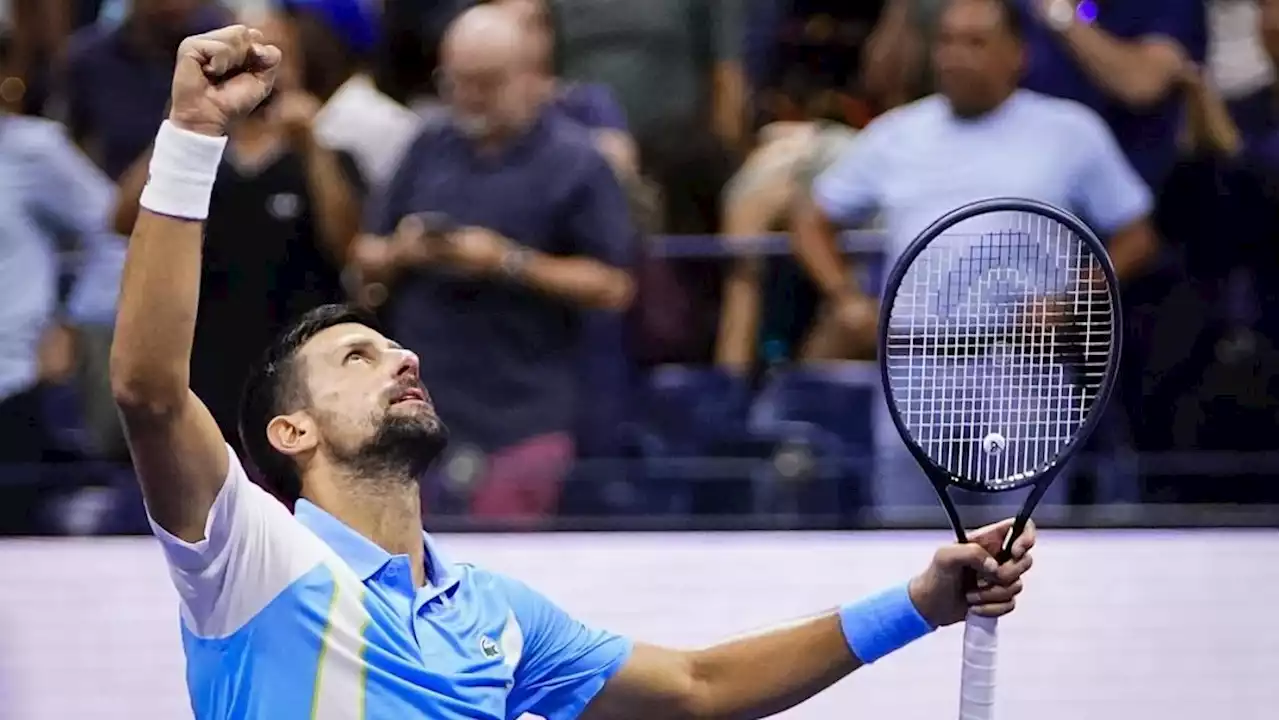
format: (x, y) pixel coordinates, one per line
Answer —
(344, 609)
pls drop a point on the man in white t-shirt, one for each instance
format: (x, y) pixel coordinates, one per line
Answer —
(345, 609)
(978, 137)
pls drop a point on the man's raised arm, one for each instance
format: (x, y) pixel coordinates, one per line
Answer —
(177, 449)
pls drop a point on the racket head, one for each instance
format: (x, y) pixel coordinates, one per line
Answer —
(956, 359)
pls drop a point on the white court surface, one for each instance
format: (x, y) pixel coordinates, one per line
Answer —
(1175, 625)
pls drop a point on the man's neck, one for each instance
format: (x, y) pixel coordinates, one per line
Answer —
(388, 513)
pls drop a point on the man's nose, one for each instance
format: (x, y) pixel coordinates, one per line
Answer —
(407, 364)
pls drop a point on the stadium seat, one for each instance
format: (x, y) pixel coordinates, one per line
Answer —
(839, 399)
(688, 414)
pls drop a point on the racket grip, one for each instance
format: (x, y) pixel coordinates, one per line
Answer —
(978, 674)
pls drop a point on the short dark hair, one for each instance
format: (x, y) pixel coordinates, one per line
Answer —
(1010, 13)
(275, 387)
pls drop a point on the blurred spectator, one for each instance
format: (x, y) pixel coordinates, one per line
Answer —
(675, 64)
(604, 366)
(338, 38)
(895, 58)
(1237, 63)
(116, 80)
(34, 32)
(502, 224)
(1124, 60)
(52, 200)
(980, 137)
(591, 105)
(1212, 337)
(283, 214)
(757, 201)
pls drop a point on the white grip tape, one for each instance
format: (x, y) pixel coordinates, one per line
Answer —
(184, 166)
(978, 674)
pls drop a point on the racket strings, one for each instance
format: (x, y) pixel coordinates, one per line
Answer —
(998, 345)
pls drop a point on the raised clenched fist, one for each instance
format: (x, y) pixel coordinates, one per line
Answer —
(220, 75)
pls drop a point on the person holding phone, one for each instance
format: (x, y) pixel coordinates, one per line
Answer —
(501, 227)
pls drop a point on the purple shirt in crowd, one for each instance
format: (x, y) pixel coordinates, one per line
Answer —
(487, 344)
(116, 90)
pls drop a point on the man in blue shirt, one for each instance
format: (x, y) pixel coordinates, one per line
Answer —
(527, 228)
(979, 137)
(345, 610)
(52, 200)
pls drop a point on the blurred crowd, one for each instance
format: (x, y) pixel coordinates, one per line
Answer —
(637, 245)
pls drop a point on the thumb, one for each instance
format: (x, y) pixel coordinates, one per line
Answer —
(410, 227)
(955, 559)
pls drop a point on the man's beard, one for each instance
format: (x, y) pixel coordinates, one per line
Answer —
(402, 449)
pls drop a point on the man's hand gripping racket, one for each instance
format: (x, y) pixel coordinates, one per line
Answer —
(999, 342)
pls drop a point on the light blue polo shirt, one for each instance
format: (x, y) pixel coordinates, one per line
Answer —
(288, 616)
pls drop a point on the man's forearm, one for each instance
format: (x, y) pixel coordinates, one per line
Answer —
(1133, 248)
(1137, 73)
(815, 245)
(729, 102)
(155, 322)
(580, 280)
(337, 211)
(760, 675)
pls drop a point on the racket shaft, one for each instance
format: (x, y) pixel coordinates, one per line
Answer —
(978, 675)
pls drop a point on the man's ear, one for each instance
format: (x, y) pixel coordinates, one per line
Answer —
(293, 434)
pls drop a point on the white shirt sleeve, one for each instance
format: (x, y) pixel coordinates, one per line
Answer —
(849, 192)
(1107, 190)
(253, 548)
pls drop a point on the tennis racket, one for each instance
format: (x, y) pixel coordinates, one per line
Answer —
(999, 341)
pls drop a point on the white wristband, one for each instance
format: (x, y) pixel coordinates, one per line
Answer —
(184, 166)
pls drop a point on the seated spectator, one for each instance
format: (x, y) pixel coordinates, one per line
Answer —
(52, 198)
(757, 201)
(980, 137)
(337, 38)
(499, 228)
(284, 212)
(116, 80)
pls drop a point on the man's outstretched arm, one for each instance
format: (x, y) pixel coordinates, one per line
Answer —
(178, 452)
(763, 674)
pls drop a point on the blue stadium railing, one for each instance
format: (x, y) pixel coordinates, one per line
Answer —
(790, 463)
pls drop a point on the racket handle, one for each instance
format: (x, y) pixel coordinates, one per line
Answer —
(978, 674)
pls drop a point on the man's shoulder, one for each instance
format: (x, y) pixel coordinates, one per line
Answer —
(572, 146)
(1062, 112)
(36, 136)
(906, 119)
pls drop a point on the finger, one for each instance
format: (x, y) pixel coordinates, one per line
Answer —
(995, 609)
(992, 536)
(409, 228)
(1024, 542)
(969, 556)
(1010, 571)
(224, 49)
(264, 57)
(994, 594)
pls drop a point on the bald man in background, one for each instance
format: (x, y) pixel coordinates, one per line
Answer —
(501, 227)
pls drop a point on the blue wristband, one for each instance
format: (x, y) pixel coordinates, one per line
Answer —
(882, 623)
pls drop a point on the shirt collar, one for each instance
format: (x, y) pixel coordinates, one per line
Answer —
(361, 554)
